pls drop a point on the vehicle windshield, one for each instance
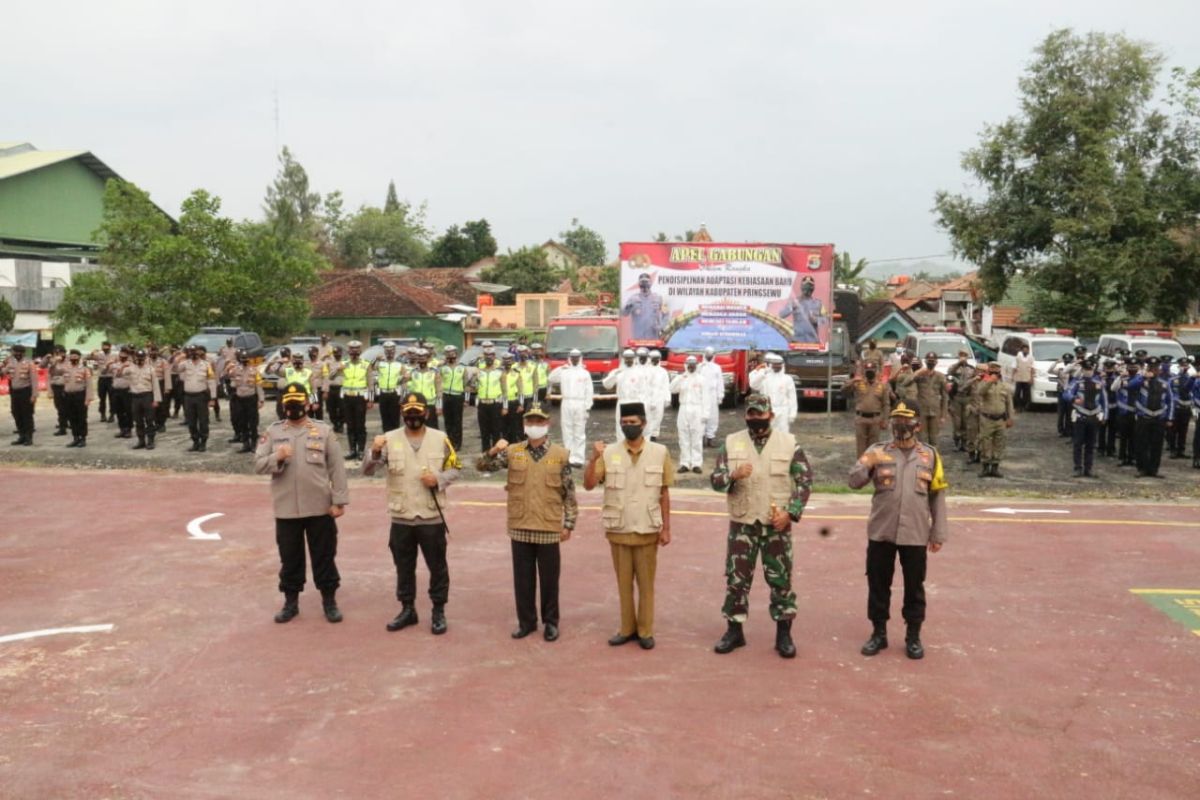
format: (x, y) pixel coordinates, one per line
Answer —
(1051, 349)
(943, 347)
(840, 345)
(594, 341)
(212, 342)
(1158, 347)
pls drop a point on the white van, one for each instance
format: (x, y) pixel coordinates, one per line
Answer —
(945, 342)
(1046, 345)
(1155, 343)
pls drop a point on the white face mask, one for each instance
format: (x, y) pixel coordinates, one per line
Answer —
(536, 431)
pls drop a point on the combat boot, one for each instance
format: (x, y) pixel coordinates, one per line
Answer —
(996, 470)
(291, 607)
(437, 625)
(74, 442)
(732, 640)
(82, 441)
(986, 471)
(329, 603)
(150, 442)
(912, 642)
(60, 431)
(406, 617)
(141, 445)
(195, 445)
(783, 638)
(878, 640)
(247, 446)
(202, 445)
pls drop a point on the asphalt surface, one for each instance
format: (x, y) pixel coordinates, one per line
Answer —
(1038, 462)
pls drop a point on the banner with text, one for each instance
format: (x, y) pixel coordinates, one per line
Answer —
(693, 295)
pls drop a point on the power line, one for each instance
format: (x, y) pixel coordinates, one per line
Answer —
(908, 258)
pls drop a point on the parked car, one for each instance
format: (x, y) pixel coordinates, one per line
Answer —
(213, 339)
(1155, 343)
(944, 342)
(1046, 345)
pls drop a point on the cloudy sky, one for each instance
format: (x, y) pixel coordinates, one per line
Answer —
(783, 121)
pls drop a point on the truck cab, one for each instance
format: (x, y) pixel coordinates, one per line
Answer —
(595, 336)
(816, 372)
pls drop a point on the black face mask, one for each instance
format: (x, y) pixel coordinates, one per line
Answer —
(758, 426)
(870, 375)
(293, 411)
(632, 432)
(903, 431)
(74, 360)
(644, 284)
(414, 423)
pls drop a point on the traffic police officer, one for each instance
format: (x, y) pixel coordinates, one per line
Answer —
(490, 398)
(427, 382)
(388, 376)
(356, 399)
(1154, 404)
(454, 389)
(513, 392)
(1181, 388)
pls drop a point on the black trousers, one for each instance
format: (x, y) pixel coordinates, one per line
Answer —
(244, 414)
(1108, 434)
(531, 563)
(452, 413)
(514, 426)
(141, 408)
(1021, 395)
(334, 406)
(488, 416)
(355, 409)
(1083, 442)
(1125, 431)
(76, 404)
(404, 541)
(1179, 431)
(321, 533)
(176, 398)
(1064, 417)
(60, 407)
(431, 417)
(881, 566)
(195, 411)
(164, 408)
(22, 410)
(103, 390)
(121, 407)
(389, 410)
(1149, 433)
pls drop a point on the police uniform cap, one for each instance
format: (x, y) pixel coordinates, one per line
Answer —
(1068, 357)
(964, 353)
(536, 411)
(645, 275)
(903, 411)
(1152, 361)
(413, 401)
(993, 366)
(486, 343)
(536, 346)
(140, 354)
(354, 343)
(389, 345)
(294, 392)
(1184, 360)
(758, 402)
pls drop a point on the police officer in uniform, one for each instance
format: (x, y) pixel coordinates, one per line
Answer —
(993, 400)
(1126, 415)
(1107, 443)
(1154, 405)
(871, 405)
(356, 399)
(333, 388)
(1061, 370)
(1089, 406)
(309, 490)
(489, 398)
(101, 358)
(541, 513)
(77, 396)
(958, 378)
(647, 310)
(22, 392)
(513, 391)
(904, 384)
(199, 383)
(144, 399)
(763, 504)
(246, 398)
(1181, 388)
(541, 372)
(420, 464)
(931, 399)
(427, 382)
(454, 389)
(388, 375)
(119, 371)
(908, 520)
(55, 364)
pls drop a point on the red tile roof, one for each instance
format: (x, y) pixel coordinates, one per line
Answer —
(451, 281)
(373, 293)
(1006, 316)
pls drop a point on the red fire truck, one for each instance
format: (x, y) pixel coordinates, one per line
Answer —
(595, 336)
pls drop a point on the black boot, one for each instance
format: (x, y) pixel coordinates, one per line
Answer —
(986, 471)
(60, 432)
(330, 605)
(878, 640)
(291, 607)
(912, 641)
(74, 442)
(234, 440)
(783, 638)
(195, 445)
(732, 640)
(150, 442)
(202, 445)
(248, 443)
(82, 441)
(996, 470)
(406, 617)
(141, 445)
(438, 625)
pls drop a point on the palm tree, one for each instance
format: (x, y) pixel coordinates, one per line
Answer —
(847, 272)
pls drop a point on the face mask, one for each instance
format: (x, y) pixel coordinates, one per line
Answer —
(574, 362)
(930, 364)
(74, 360)
(903, 431)
(293, 411)
(691, 367)
(777, 367)
(758, 426)
(644, 284)
(414, 423)
(870, 374)
(632, 432)
(629, 363)
(654, 361)
(536, 431)
(451, 359)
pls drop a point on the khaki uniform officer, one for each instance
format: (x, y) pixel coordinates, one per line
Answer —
(959, 378)
(199, 382)
(993, 400)
(308, 487)
(636, 515)
(22, 386)
(931, 399)
(541, 513)
(420, 463)
(144, 398)
(246, 398)
(871, 402)
(908, 518)
(77, 396)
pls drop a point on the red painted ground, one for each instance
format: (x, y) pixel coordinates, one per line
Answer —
(1044, 677)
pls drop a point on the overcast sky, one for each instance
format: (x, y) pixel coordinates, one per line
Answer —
(782, 121)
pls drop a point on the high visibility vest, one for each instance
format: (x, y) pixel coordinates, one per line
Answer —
(389, 375)
(514, 383)
(301, 376)
(454, 379)
(424, 381)
(489, 384)
(528, 375)
(543, 374)
(354, 376)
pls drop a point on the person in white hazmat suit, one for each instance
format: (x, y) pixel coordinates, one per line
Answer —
(575, 387)
(629, 381)
(694, 396)
(710, 370)
(771, 380)
(658, 394)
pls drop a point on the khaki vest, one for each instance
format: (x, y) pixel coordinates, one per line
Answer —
(407, 497)
(535, 489)
(632, 492)
(771, 480)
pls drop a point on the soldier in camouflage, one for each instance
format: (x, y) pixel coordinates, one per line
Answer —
(764, 501)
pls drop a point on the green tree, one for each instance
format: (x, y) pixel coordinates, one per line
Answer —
(460, 247)
(1090, 190)
(848, 272)
(585, 243)
(400, 235)
(392, 203)
(291, 207)
(525, 270)
(7, 315)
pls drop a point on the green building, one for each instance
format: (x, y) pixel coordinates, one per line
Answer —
(375, 304)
